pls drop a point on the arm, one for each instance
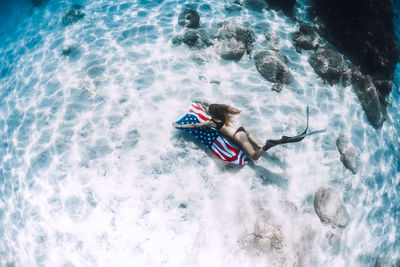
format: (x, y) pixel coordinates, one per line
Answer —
(194, 125)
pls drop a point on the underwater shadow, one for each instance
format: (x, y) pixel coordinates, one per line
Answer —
(268, 177)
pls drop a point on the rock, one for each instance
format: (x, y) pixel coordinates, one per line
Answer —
(232, 49)
(329, 207)
(364, 33)
(286, 6)
(190, 37)
(189, 18)
(384, 87)
(350, 159)
(271, 65)
(346, 77)
(384, 261)
(177, 40)
(207, 34)
(349, 156)
(333, 239)
(199, 59)
(363, 30)
(240, 33)
(266, 237)
(306, 38)
(272, 39)
(194, 38)
(72, 52)
(73, 14)
(328, 64)
(369, 98)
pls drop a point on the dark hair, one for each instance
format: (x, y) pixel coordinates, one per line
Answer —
(222, 112)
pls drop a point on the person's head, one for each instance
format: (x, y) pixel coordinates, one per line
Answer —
(222, 112)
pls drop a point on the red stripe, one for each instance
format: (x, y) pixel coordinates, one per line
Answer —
(218, 155)
(202, 116)
(199, 108)
(218, 144)
(231, 147)
(199, 114)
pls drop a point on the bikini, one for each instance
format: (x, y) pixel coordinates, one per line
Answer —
(222, 123)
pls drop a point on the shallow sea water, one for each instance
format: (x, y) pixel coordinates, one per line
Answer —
(93, 174)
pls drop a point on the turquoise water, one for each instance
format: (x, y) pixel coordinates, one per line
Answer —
(93, 174)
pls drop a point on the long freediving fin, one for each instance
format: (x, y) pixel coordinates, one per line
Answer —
(291, 139)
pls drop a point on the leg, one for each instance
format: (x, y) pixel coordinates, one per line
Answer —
(242, 140)
(253, 140)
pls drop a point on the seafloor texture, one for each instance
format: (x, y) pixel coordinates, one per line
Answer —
(93, 174)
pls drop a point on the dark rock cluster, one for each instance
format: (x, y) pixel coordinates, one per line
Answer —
(73, 14)
(233, 41)
(363, 30)
(328, 64)
(305, 38)
(369, 98)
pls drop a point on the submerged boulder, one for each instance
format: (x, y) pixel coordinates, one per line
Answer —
(190, 37)
(196, 38)
(189, 18)
(232, 49)
(329, 207)
(72, 15)
(305, 38)
(72, 52)
(334, 239)
(265, 238)
(239, 33)
(328, 64)
(271, 65)
(369, 98)
(349, 156)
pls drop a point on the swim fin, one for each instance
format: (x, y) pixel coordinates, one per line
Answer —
(291, 139)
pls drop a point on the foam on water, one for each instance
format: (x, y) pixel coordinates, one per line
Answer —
(93, 174)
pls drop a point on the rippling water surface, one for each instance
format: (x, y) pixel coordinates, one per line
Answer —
(93, 174)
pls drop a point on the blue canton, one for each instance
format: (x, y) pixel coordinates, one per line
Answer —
(206, 135)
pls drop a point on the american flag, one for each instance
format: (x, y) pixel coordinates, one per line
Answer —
(209, 136)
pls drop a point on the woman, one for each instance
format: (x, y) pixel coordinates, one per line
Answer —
(222, 121)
